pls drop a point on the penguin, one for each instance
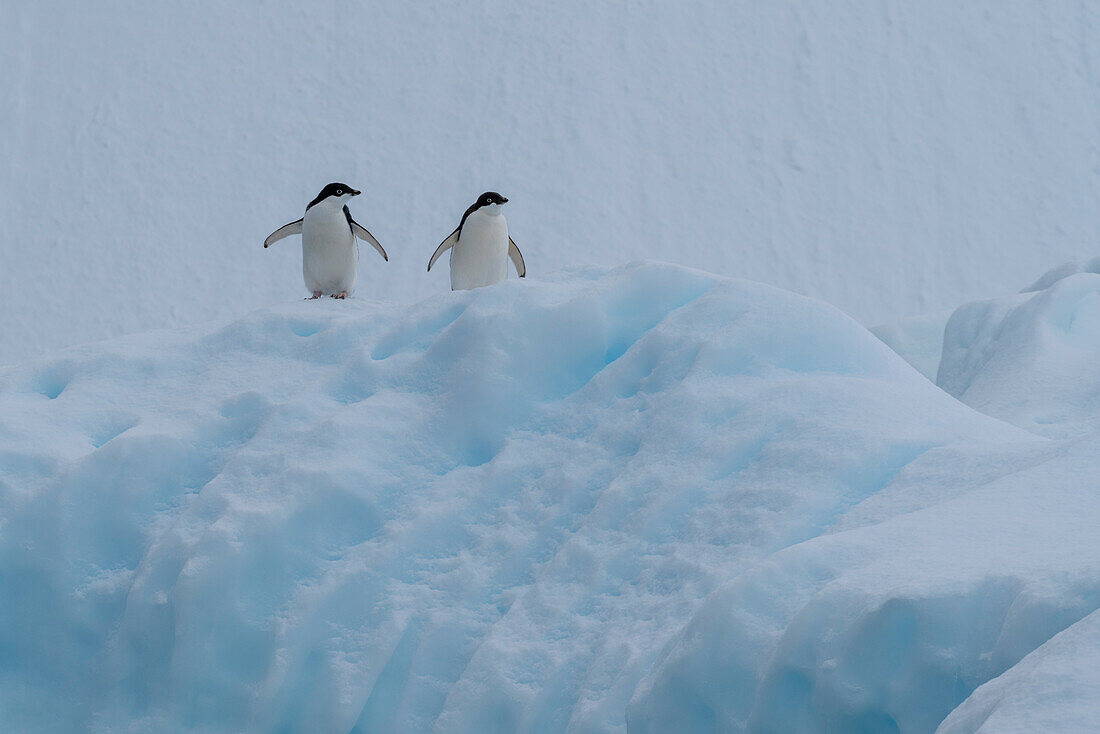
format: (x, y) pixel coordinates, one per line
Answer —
(480, 246)
(330, 257)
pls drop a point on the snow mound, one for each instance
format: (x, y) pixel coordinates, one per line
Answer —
(647, 495)
(1065, 270)
(939, 585)
(1030, 359)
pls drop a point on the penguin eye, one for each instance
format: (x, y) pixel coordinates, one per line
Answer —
(339, 192)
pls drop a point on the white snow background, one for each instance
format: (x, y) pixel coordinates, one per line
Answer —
(610, 498)
(891, 158)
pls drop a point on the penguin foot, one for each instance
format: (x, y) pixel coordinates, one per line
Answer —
(315, 296)
(341, 295)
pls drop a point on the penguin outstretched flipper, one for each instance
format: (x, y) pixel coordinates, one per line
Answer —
(448, 242)
(282, 232)
(361, 232)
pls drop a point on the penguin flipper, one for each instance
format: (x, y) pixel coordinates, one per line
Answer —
(516, 257)
(362, 233)
(445, 245)
(285, 231)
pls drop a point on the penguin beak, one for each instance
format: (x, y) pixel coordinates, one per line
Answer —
(355, 193)
(503, 200)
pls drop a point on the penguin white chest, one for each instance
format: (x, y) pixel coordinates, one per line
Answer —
(330, 257)
(480, 257)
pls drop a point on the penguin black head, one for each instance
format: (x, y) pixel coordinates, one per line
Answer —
(490, 197)
(340, 193)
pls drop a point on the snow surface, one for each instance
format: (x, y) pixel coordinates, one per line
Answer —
(918, 340)
(1030, 359)
(644, 499)
(889, 157)
(1053, 689)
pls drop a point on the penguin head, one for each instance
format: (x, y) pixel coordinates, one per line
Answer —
(491, 202)
(335, 194)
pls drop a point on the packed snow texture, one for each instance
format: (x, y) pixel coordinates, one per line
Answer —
(647, 499)
(889, 157)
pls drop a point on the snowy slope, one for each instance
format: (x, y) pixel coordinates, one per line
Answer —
(638, 499)
(889, 627)
(957, 574)
(888, 157)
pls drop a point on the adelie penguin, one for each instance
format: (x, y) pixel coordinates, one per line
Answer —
(480, 246)
(330, 257)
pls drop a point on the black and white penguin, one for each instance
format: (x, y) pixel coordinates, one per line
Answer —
(330, 257)
(480, 246)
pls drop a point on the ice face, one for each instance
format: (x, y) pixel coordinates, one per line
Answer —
(889, 162)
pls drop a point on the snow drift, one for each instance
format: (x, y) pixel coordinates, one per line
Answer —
(1031, 358)
(645, 499)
